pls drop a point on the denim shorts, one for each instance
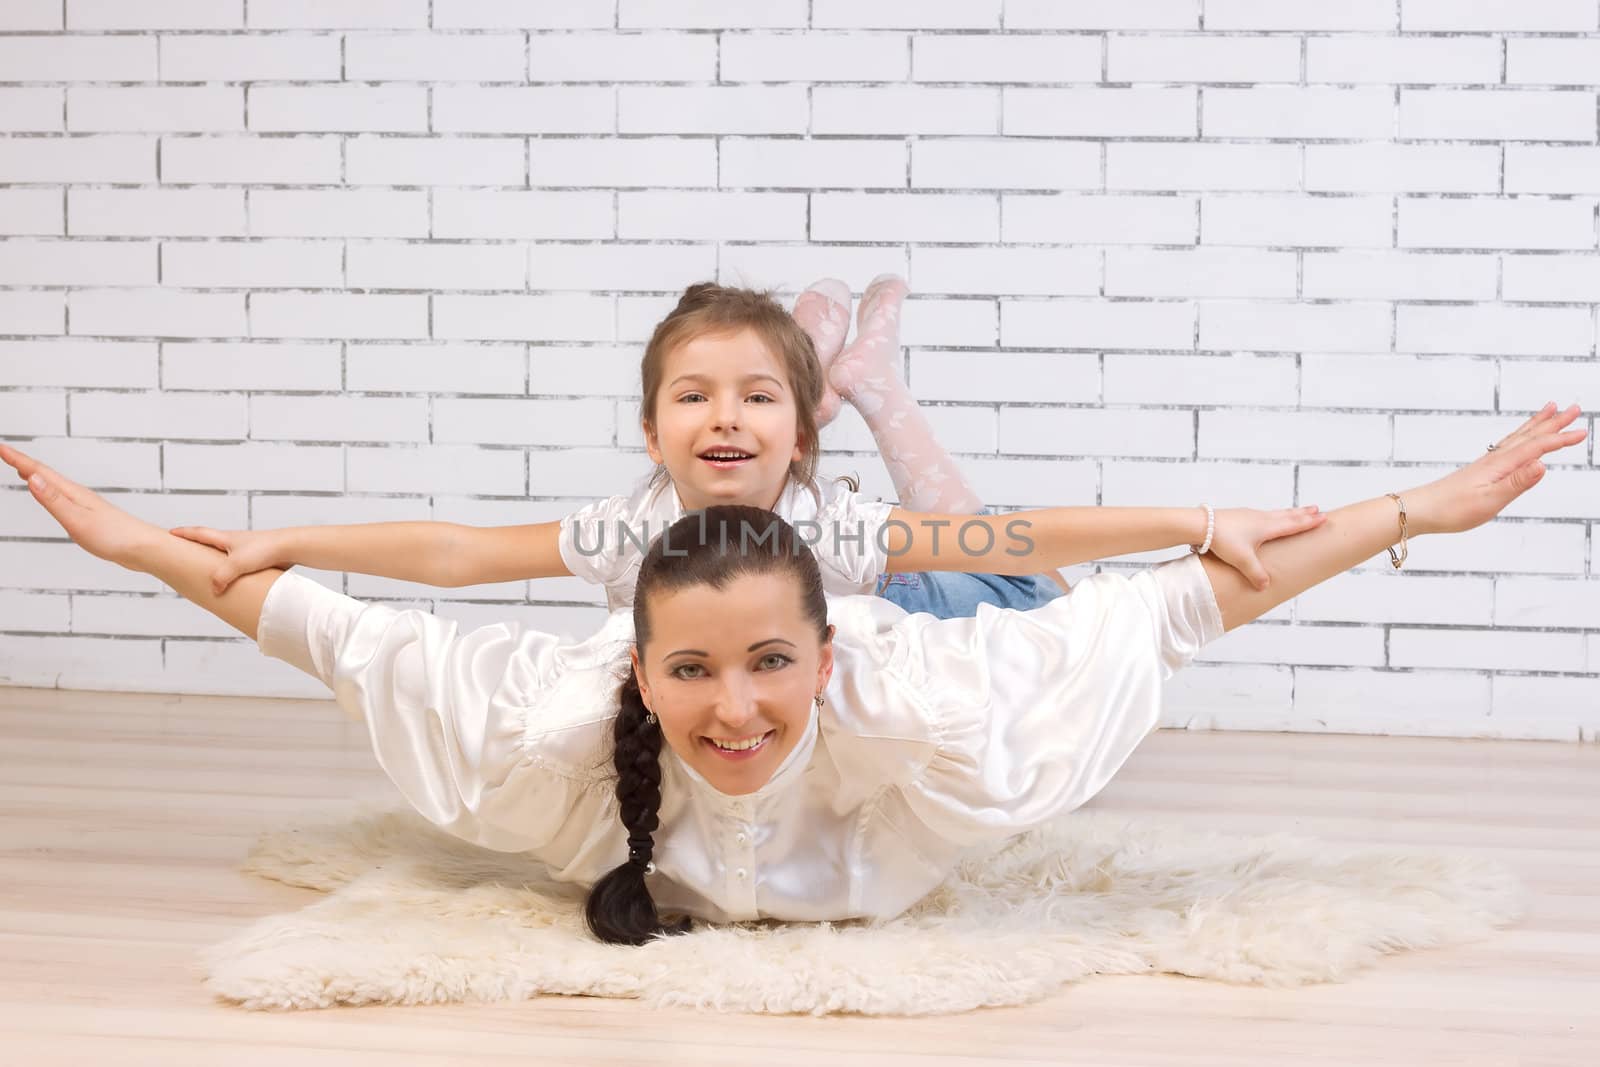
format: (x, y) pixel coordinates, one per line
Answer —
(955, 595)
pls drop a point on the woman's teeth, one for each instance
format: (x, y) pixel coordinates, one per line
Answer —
(739, 746)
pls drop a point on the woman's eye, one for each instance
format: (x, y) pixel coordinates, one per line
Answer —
(774, 660)
(681, 671)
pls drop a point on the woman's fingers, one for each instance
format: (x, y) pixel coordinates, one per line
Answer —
(1528, 428)
(1556, 442)
(48, 492)
(1525, 477)
(18, 460)
(58, 483)
(1545, 419)
(1523, 452)
(1539, 436)
(25, 465)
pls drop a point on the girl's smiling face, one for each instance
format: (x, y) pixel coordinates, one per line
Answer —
(732, 674)
(726, 426)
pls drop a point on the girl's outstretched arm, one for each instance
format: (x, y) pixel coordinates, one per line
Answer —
(107, 531)
(1272, 555)
(443, 554)
(428, 694)
(1027, 542)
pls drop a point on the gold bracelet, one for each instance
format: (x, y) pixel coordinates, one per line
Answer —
(1401, 558)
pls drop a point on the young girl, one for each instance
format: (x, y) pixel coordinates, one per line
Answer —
(739, 748)
(733, 396)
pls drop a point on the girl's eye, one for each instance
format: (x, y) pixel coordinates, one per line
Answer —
(763, 397)
(776, 659)
(678, 672)
(691, 397)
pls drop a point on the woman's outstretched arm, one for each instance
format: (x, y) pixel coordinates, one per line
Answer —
(1351, 535)
(107, 531)
(453, 738)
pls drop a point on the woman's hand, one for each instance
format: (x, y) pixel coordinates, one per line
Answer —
(1241, 531)
(100, 528)
(1483, 488)
(248, 551)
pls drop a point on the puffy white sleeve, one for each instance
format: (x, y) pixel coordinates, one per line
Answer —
(850, 542)
(1032, 712)
(589, 542)
(488, 734)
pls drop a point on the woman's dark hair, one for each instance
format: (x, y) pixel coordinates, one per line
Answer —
(711, 547)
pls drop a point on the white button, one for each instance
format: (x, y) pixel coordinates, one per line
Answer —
(742, 873)
(742, 837)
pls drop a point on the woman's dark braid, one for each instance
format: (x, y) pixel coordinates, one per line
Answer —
(637, 758)
(620, 909)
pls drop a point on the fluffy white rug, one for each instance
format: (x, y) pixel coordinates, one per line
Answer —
(414, 916)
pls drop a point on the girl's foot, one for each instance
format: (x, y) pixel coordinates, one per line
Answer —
(823, 312)
(869, 370)
(867, 373)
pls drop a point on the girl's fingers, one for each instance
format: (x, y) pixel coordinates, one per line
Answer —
(1296, 520)
(204, 535)
(221, 578)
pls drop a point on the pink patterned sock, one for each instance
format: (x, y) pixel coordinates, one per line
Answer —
(823, 312)
(867, 374)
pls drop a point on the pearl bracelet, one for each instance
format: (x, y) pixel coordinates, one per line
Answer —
(1211, 529)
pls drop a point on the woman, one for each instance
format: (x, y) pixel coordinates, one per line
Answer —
(741, 748)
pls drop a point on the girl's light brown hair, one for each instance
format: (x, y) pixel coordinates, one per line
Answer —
(707, 308)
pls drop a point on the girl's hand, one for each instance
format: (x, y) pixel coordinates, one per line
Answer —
(248, 551)
(1483, 488)
(100, 528)
(1241, 531)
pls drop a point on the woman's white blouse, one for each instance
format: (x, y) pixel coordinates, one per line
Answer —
(935, 735)
(605, 542)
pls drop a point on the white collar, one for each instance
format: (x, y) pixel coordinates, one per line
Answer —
(675, 509)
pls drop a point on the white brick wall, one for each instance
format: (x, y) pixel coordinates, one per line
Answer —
(330, 260)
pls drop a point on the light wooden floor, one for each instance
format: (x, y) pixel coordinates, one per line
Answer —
(123, 817)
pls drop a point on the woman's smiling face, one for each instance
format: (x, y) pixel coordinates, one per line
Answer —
(731, 674)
